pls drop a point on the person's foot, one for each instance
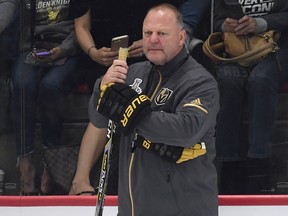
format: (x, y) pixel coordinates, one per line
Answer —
(46, 182)
(27, 175)
(81, 188)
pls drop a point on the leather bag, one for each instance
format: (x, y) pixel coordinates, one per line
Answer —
(245, 50)
(61, 162)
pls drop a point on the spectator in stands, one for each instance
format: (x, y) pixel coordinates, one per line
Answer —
(42, 75)
(97, 22)
(259, 83)
(197, 23)
(95, 33)
(8, 10)
(9, 26)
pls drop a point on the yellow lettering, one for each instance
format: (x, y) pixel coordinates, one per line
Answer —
(124, 121)
(143, 98)
(134, 101)
(130, 109)
(105, 161)
(146, 144)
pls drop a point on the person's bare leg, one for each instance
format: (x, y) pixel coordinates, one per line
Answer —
(27, 172)
(46, 182)
(92, 146)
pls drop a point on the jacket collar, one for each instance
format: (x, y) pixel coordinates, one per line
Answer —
(169, 68)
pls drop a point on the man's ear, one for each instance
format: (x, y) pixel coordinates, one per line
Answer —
(182, 37)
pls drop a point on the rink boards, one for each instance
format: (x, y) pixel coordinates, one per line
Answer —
(85, 205)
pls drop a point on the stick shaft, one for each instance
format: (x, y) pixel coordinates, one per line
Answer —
(103, 180)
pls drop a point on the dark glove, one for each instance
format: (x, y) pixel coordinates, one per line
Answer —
(123, 105)
(175, 154)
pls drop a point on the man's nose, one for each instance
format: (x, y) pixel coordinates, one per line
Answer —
(154, 37)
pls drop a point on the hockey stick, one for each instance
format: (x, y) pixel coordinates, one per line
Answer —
(103, 181)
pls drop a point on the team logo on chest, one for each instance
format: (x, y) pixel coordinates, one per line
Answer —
(162, 96)
(136, 85)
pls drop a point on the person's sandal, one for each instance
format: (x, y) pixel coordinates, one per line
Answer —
(86, 193)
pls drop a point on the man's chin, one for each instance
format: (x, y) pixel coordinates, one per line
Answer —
(156, 58)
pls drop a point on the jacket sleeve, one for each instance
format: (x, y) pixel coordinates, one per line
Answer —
(69, 46)
(65, 32)
(8, 10)
(194, 118)
(193, 11)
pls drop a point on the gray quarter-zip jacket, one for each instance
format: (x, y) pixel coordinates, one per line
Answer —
(185, 105)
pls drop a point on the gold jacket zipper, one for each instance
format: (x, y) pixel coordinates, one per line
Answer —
(133, 153)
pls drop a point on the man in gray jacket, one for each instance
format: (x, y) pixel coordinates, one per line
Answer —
(167, 142)
(9, 23)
